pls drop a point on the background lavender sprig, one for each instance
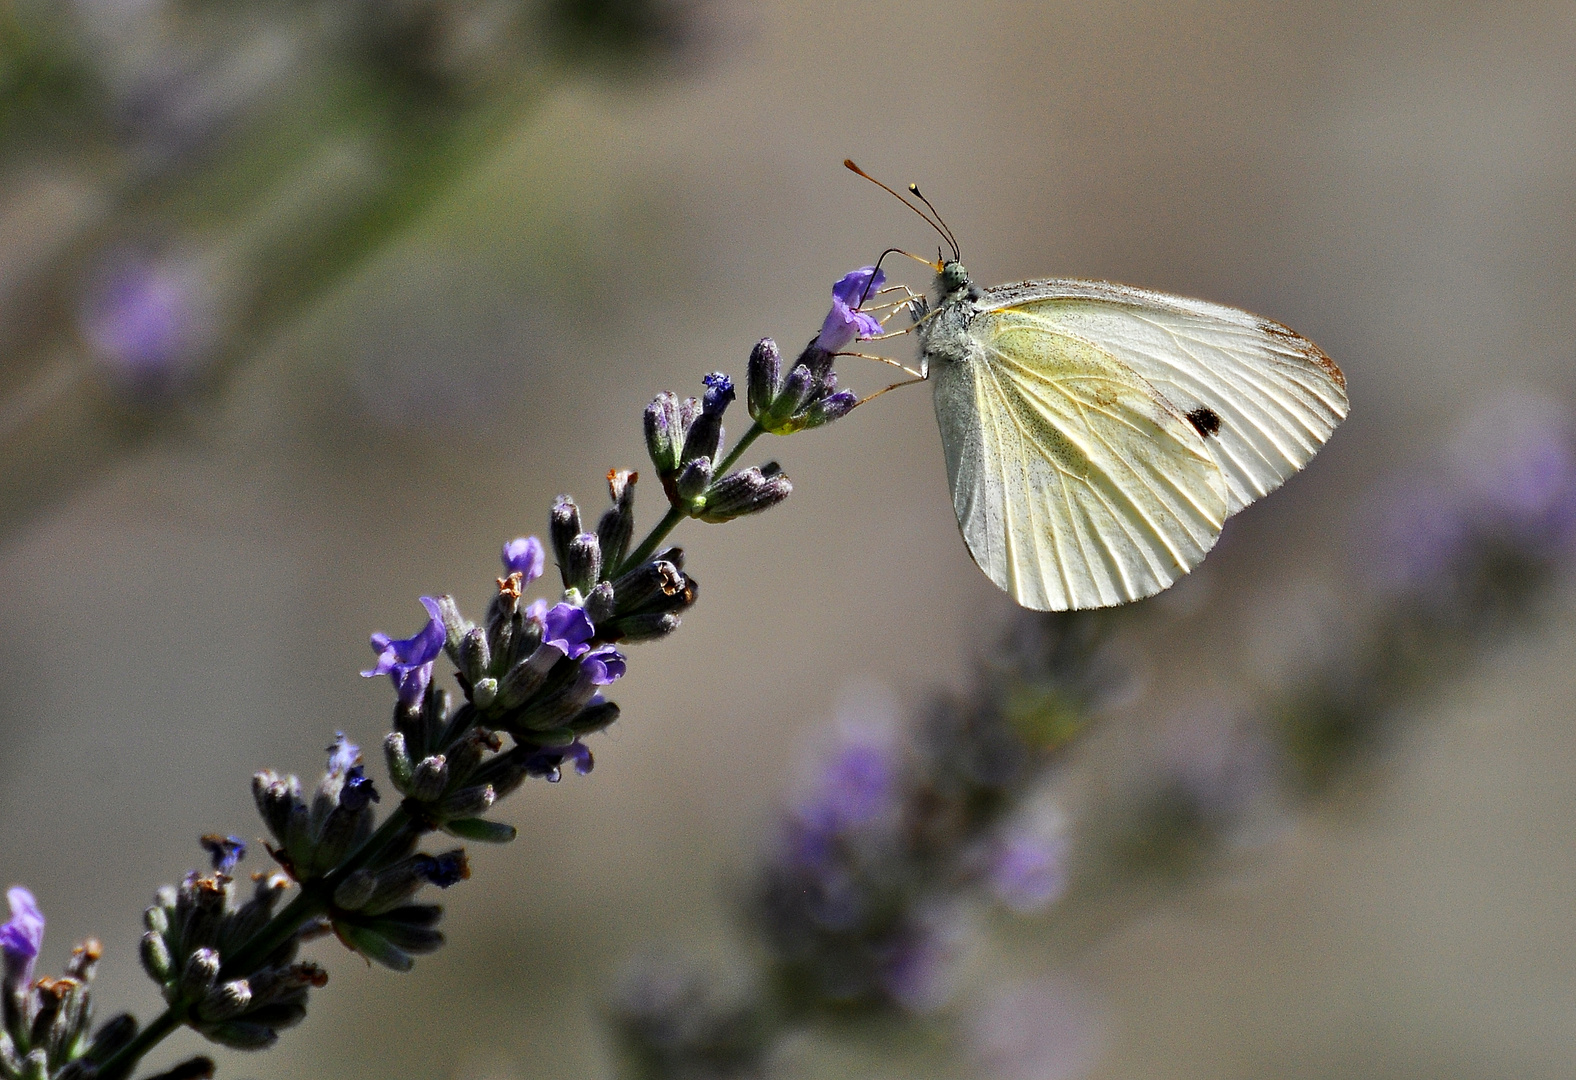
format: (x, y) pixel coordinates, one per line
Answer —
(862, 903)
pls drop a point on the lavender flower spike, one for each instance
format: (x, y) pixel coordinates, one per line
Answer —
(525, 556)
(21, 938)
(409, 662)
(845, 321)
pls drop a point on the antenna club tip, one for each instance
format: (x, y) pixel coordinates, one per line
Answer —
(848, 163)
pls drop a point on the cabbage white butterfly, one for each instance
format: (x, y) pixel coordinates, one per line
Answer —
(1097, 435)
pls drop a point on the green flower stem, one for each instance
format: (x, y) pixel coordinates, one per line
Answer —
(755, 432)
(675, 515)
(669, 521)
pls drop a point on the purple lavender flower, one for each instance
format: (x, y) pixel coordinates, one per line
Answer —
(918, 973)
(546, 762)
(564, 627)
(603, 666)
(225, 851)
(525, 556)
(1028, 867)
(21, 938)
(1507, 479)
(409, 662)
(845, 322)
(148, 319)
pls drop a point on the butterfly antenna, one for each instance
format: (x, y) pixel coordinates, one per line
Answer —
(851, 167)
(946, 230)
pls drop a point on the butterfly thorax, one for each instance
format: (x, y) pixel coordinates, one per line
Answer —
(944, 331)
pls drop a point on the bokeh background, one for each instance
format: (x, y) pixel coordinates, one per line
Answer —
(286, 347)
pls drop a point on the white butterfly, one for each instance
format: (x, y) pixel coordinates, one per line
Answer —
(1097, 436)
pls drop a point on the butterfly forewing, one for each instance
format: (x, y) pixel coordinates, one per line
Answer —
(1275, 395)
(1075, 484)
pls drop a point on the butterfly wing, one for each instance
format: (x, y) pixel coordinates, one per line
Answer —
(1075, 484)
(1275, 395)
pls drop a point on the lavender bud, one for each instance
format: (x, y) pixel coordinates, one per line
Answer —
(563, 527)
(454, 625)
(243, 1035)
(276, 797)
(601, 603)
(156, 959)
(765, 370)
(746, 492)
(202, 971)
(693, 480)
(398, 761)
(430, 778)
(523, 680)
(617, 526)
(156, 919)
(645, 627)
(36, 1065)
(796, 392)
(665, 432)
(228, 999)
(355, 890)
(112, 1034)
(827, 409)
(482, 831)
(658, 578)
(475, 655)
(484, 693)
(582, 565)
(468, 802)
(674, 555)
(594, 718)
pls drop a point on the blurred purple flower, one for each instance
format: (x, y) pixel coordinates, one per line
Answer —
(148, 319)
(21, 937)
(1028, 867)
(1219, 758)
(845, 322)
(918, 973)
(525, 556)
(408, 662)
(1508, 477)
(1048, 1029)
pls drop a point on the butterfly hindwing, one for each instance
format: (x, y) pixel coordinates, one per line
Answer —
(1271, 396)
(1075, 483)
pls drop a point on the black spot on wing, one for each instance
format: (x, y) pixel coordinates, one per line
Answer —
(1205, 421)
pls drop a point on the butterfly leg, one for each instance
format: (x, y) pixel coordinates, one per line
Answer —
(894, 386)
(918, 375)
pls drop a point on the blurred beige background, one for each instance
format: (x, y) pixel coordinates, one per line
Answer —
(1396, 181)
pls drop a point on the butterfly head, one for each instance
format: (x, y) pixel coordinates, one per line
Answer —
(952, 279)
